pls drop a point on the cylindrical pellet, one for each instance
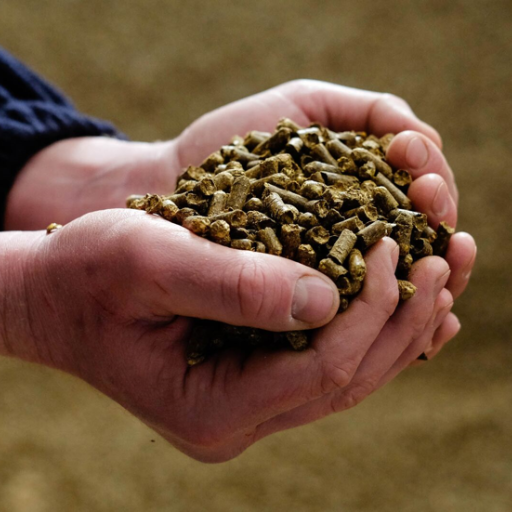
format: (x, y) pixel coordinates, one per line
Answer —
(238, 194)
(217, 203)
(268, 237)
(444, 233)
(344, 244)
(371, 234)
(331, 268)
(306, 255)
(279, 210)
(356, 265)
(219, 232)
(401, 198)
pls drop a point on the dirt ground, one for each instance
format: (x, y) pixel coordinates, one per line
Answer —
(438, 438)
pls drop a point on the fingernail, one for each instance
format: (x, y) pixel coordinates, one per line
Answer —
(416, 153)
(313, 300)
(441, 202)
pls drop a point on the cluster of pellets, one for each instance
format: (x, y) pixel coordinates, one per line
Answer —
(315, 196)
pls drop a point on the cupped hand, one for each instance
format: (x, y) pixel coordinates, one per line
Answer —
(108, 297)
(120, 285)
(77, 176)
(417, 148)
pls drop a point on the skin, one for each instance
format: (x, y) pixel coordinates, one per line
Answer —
(107, 298)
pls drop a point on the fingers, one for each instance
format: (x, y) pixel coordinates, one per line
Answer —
(420, 156)
(179, 273)
(444, 333)
(231, 444)
(461, 256)
(341, 345)
(346, 108)
(424, 343)
(304, 101)
(408, 327)
(429, 194)
(272, 383)
(408, 332)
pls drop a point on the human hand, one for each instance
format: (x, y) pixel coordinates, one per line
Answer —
(361, 371)
(77, 176)
(417, 148)
(108, 297)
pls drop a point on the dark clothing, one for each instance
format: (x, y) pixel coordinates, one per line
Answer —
(33, 115)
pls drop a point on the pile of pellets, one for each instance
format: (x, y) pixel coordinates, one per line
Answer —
(308, 194)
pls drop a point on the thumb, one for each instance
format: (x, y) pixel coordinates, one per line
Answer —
(184, 274)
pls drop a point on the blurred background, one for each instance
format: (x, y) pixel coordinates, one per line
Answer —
(439, 438)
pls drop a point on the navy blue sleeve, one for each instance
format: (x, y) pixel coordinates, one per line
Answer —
(33, 115)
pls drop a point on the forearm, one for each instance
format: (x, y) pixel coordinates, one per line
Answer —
(77, 176)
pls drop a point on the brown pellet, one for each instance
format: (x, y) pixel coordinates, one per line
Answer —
(306, 255)
(444, 233)
(269, 238)
(343, 245)
(406, 289)
(371, 234)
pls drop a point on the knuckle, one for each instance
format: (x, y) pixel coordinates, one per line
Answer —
(418, 327)
(334, 377)
(393, 99)
(354, 395)
(252, 290)
(303, 88)
(390, 298)
(300, 83)
(217, 454)
(102, 246)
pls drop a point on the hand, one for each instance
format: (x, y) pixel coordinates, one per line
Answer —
(417, 148)
(107, 298)
(277, 391)
(77, 176)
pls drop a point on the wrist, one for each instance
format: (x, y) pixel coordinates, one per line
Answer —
(20, 335)
(76, 176)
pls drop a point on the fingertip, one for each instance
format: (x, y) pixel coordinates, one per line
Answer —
(467, 241)
(454, 322)
(448, 329)
(394, 251)
(461, 256)
(385, 246)
(429, 275)
(462, 249)
(430, 194)
(434, 136)
(443, 305)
